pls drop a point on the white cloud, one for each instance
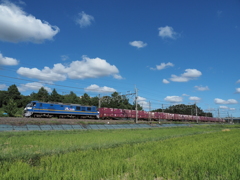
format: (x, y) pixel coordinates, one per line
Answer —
(143, 102)
(138, 44)
(173, 99)
(165, 81)
(167, 32)
(84, 19)
(237, 90)
(3, 86)
(189, 74)
(201, 88)
(46, 74)
(16, 25)
(194, 98)
(7, 60)
(117, 76)
(91, 68)
(87, 68)
(164, 65)
(238, 81)
(221, 101)
(35, 86)
(223, 107)
(96, 88)
(185, 95)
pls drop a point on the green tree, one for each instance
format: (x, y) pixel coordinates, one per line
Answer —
(55, 97)
(13, 93)
(42, 95)
(95, 101)
(85, 99)
(10, 108)
(71, 98)
(3, 98)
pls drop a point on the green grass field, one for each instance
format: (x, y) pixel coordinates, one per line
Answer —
(203, 152)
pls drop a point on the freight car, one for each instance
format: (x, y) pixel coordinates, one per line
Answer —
(60, 110)
(113, 113)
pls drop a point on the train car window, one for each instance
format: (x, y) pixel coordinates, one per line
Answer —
(83, 108)
(88, 109)
(40, 104)
(70, 106)
(61, 105)
(77, 107)
(51, 105)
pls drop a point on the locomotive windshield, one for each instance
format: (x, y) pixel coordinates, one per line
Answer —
(29, 105)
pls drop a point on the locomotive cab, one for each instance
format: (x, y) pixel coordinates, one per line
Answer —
(28, 110)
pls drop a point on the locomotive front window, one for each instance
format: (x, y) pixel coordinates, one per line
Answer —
(29, 105)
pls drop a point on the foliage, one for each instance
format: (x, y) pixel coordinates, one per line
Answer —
(71, 98)
(185, 109)
(11, 108)
(55, 97)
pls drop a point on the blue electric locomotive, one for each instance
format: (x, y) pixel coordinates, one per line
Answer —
(60, 110)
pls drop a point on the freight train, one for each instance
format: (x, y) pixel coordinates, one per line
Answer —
(60, 110)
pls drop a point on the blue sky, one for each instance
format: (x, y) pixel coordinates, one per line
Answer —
(172, 51)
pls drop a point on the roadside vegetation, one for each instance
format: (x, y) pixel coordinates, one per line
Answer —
(205, 152)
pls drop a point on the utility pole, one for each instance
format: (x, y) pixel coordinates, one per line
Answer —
(99, 101)
(136, 96)
(150, 114)
(196, 113)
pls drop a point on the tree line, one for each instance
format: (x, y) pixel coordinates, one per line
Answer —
(185, 109)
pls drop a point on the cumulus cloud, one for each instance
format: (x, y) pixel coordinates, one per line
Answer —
(237, 90)
(238, 81)
(16, 25)
(221, 101)
(84, 19)
(165, 81)
(189, 74)
(201, 88)
(86, 68)
(91, 68)
(163, 66)
(194, 98)
(46, 74)
(96, 88)
(3, 86)
(7, 61)
(167, 32)
(142, 102)
(35, 86)
(173, 99)
(138, 44)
